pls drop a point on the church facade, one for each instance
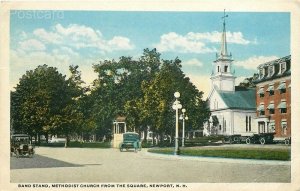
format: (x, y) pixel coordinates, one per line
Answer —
(233, 109)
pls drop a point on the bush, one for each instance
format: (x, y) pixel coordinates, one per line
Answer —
(204, 141)
(77, 144)
(146, 144)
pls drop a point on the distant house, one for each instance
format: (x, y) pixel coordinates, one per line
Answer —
(232, 108)
(273, 97)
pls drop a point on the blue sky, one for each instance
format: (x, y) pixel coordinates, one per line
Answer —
(61, 38)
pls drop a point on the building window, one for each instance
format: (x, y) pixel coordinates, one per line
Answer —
(266, 71)
(246, 123)
(220, 127)
(271, 126)
(261, 109)
(282, 106)
(250, 123)
(283, 110)
(218, 68)
(282, 87)
(282, 67)
(283, 127)
(226, 68)
(260, 92)
(271, 89)
(271, 70)
(271, 108)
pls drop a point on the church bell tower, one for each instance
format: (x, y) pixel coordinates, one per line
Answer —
(222, 77)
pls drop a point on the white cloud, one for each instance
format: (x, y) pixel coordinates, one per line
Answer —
(80, 36)
(177, 43)
(65, 50)
(196, 42)
(79, 31)
(48, 37)
(253, 62)
(119, 42)
(193, 62)
(32, 44)
(23, 35)
(215, 37)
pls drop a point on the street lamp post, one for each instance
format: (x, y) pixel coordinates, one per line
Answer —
(183, 117)
(176, 106)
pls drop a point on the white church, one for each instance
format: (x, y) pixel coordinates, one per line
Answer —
(233, 109)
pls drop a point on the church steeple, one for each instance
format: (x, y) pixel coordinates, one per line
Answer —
(223, 52)
(222, 77)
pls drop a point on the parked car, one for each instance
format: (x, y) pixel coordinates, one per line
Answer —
(261, 138)
(20, 145)
(131, 140)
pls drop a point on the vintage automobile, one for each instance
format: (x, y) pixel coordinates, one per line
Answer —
(130, 140)
(261, 138)
(20, 145)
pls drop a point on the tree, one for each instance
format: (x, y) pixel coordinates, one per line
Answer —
(39, 95)
(249, 82)
(118, 88)
(46, 102)
(158, 98)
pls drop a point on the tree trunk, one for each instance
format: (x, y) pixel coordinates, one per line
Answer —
(35, 138)
(67, 141)
(47, 137)
(145, 135)
(39, 139)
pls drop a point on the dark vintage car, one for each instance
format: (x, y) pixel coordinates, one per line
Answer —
(20, 145)
(131, 140)
(261, 138)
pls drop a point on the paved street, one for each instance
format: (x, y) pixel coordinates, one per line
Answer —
(65, 165)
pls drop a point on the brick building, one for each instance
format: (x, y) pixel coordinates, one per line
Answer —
(273, 98)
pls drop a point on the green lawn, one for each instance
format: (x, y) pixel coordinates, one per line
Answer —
(241, 153)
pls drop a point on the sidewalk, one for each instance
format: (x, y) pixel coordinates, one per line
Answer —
(215, 159)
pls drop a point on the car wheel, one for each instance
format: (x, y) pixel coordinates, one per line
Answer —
(286, 141)
(262, 140)
(248, 141)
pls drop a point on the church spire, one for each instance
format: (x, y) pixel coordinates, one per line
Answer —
(223, 52)
(224, 42)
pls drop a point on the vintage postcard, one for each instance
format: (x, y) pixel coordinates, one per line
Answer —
(150, 95)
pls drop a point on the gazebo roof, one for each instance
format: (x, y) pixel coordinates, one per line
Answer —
(120, 119)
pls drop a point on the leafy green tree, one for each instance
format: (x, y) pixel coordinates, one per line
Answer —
(118, 88)
(249, 82)
(40, 94)
(46, 102)
(142, 90)
(159, 99)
